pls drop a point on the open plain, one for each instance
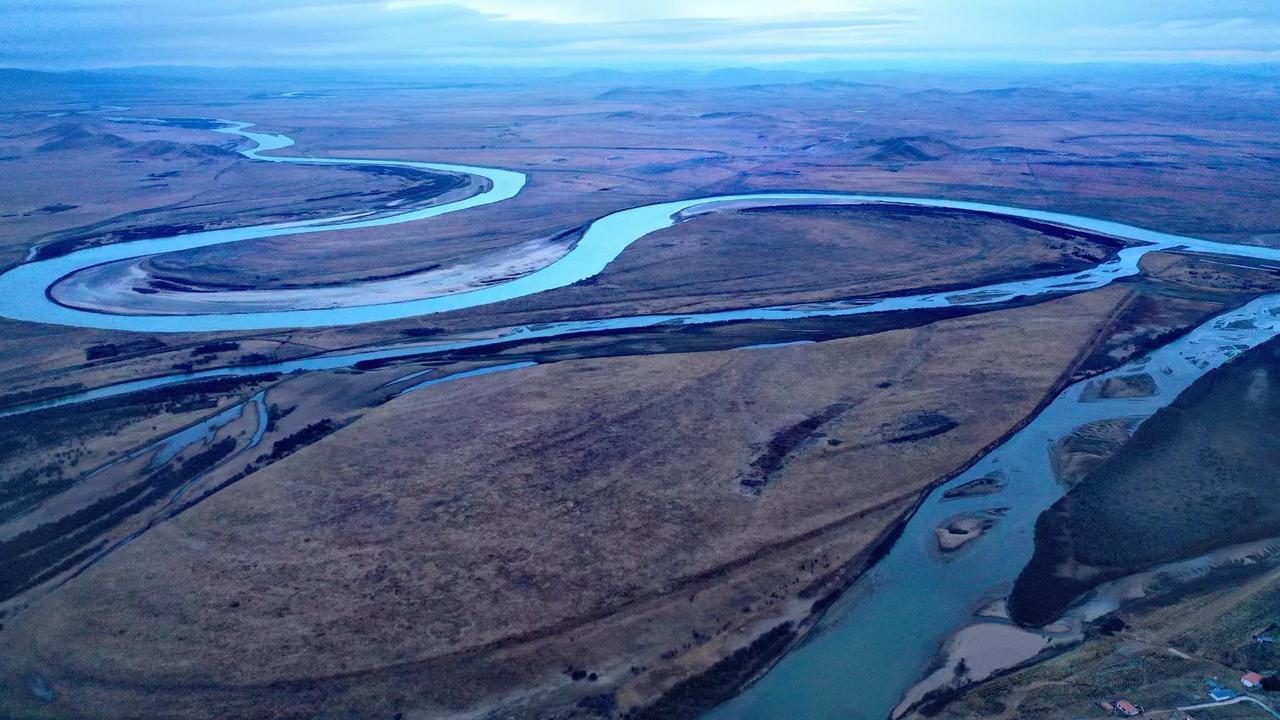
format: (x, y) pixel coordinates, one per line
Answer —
(479, 515)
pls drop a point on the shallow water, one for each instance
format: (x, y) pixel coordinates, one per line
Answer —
(469, 373)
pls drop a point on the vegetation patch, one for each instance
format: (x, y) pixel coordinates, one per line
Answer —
(63, 426)
(102, 351)
(214, 348)
(36, 555)
(697, 695)
(26, 396)
(1198, 475)
(767, 464)
(924, 426)
(302, 438)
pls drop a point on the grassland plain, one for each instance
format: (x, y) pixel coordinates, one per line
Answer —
(596, 153)
(437, 552)
(715, 260)
(592, 146)
(79, 180)
(462, 572)
(316, 398)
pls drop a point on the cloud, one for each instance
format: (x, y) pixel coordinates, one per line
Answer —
(366, 33)
(595, 11)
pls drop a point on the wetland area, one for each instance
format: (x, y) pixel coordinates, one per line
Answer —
(589, 396)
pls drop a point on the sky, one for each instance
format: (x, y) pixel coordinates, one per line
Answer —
(67, 34)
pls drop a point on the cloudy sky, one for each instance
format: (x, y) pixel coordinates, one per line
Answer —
(60, 34)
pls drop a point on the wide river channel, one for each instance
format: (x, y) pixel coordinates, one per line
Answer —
(878, 640)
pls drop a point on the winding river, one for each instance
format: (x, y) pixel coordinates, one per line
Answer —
(24, 290)
(880, 636)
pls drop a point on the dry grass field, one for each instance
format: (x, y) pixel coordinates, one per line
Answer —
(579, 538)
(590, 514)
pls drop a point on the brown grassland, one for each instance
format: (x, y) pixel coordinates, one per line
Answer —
(580, 538)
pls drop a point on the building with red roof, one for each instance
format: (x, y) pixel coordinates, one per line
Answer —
(1128, 709)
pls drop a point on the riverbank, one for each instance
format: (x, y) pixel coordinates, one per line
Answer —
(1193, 477)
(1153, 638)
